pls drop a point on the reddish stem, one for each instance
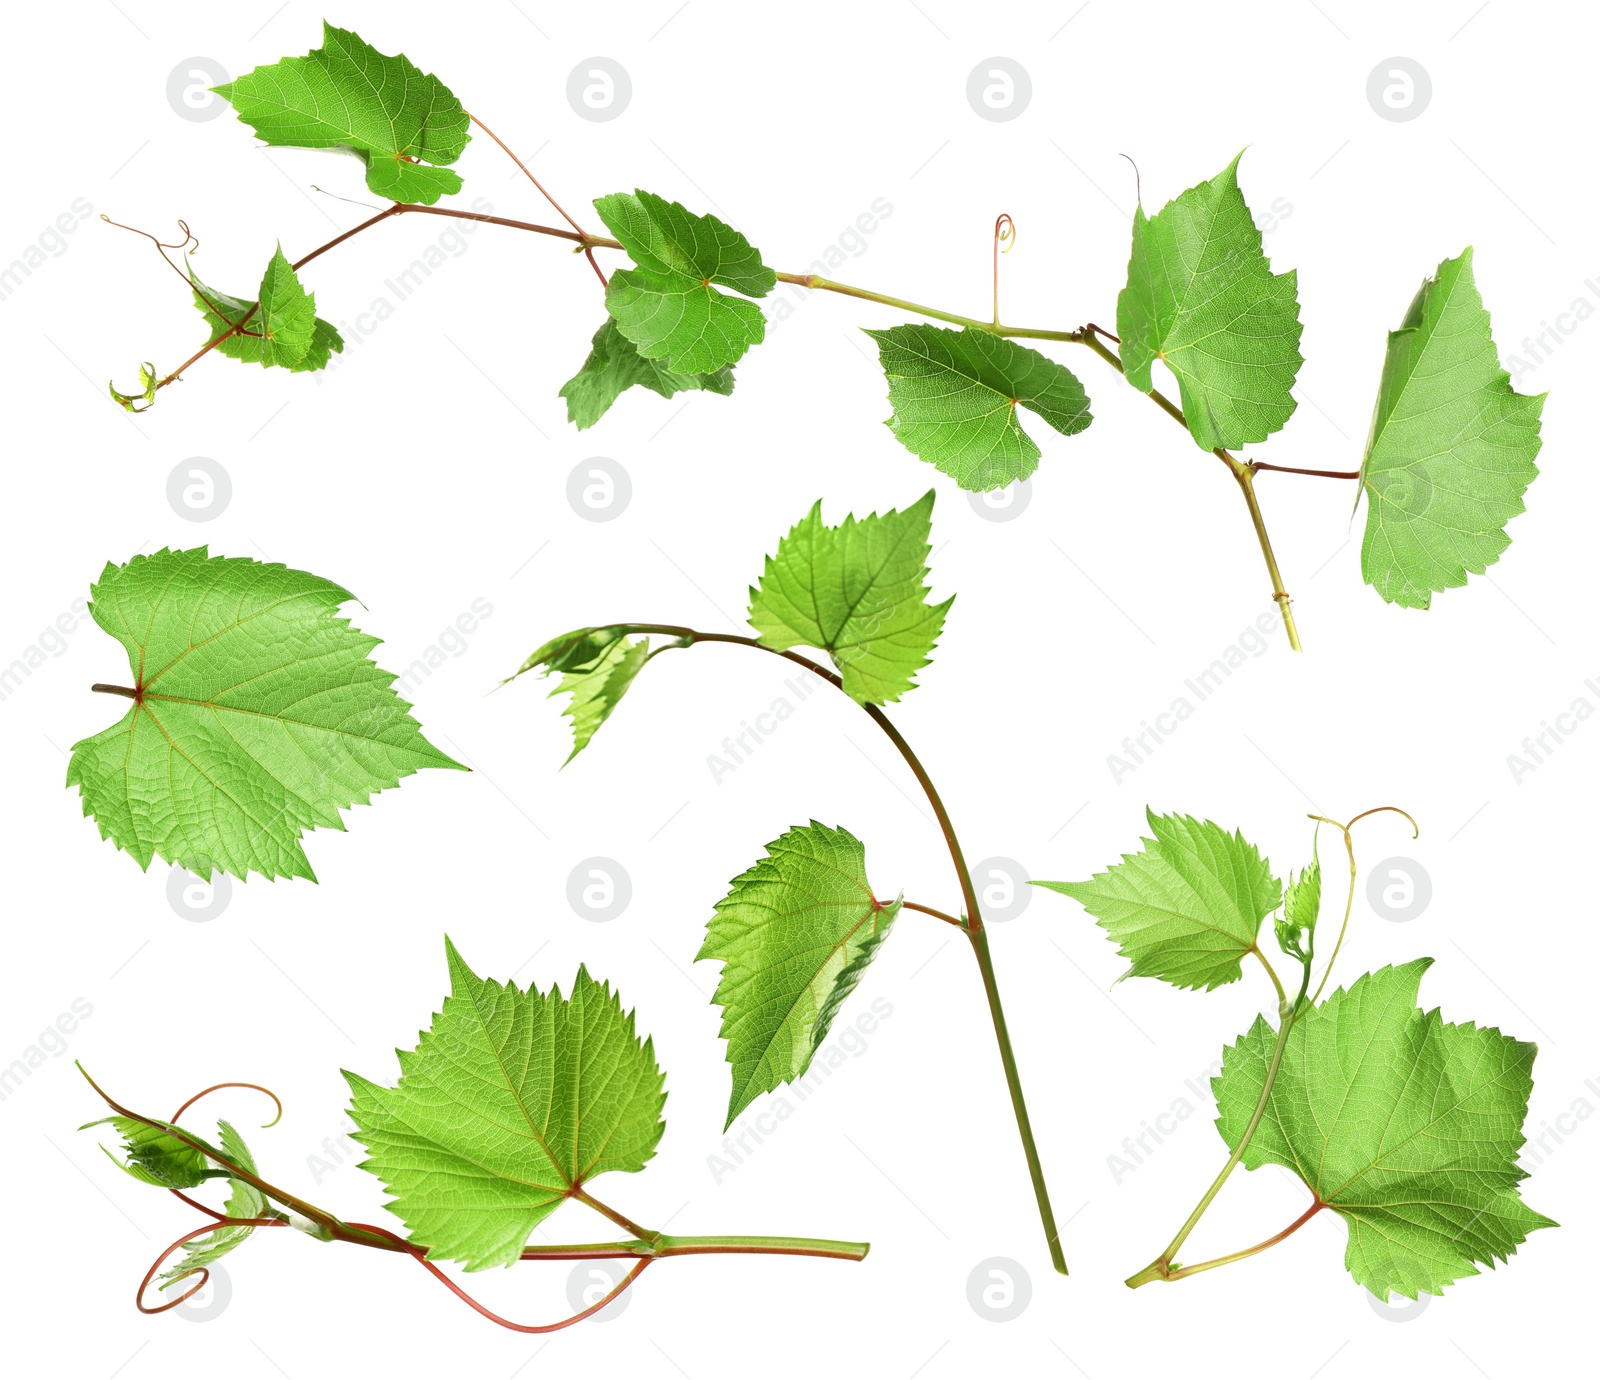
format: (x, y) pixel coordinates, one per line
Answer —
(420, 1256)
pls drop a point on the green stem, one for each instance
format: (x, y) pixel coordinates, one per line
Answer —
(1162, 1266)
(687, 637)
(1242, 471)
(1239, 469)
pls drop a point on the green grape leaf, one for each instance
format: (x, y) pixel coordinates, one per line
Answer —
(955, 396)
(614, 365)
(1202, 298)
(1451, 448)
(596, 665)
(1302, 901)
(794, 936)
(857, 592)
(666, 304)
(285, 329)
(1188, 908)
(510, 1102)
(244, 1200)
(154, 1156)
(258, 715)
(402, 122)
(1405, 1126)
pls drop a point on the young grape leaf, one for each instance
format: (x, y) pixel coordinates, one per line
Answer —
(154, 1156)
(244, 1200)
(857, 592)
(955, 396)
(1202, 297)
(257, 715)
(1302, 901)
(597, 665)
(402, 122)
(1451, 448)
(282, 324)
(1405, 1126)
(666, 304)
(1188, 908)
(794, 936)
(510, 1102)
(614, 365)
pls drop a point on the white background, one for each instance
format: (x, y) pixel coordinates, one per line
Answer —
(430, 470)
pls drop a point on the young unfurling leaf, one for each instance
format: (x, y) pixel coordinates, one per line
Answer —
(280, 327)
(402, 122)
(1405, 1126)
(794, 936)
(615, 365)
(510, 1103)
(596, 666)
(1202, 298)
(855, 591)
(1188, 908)
(154, 1157)
(256, 715)
(666, 304)
(1302, 900)
(956, 393)
(1451, 448)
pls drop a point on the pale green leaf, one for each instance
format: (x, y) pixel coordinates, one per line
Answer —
(1187, 908)
(856, 591)
(152, 1155)
(402, 122)
(1451, 448)
(510, 1102)
(259, 715)
(615, 365)
(1202, 298)
(286, 332)
(1405, 1126)
(955, 396)
(244, 1200)
(667, 304)
(794, 936)
(596, 666)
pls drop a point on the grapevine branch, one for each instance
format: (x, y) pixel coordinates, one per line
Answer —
(1243, 471)
(970, 923)
(644, 1246)
(1165, 1266)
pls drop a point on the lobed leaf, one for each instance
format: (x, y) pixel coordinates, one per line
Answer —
(1187, 908)
(259, 715)
(955, 396)
(794, 935)
(402, 122)
(510, 1102)
(666, 304)
(857, 592)
(615, 365)
(1451, 449)
(282, 324)
(1405, 1126)
(1202, 297)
